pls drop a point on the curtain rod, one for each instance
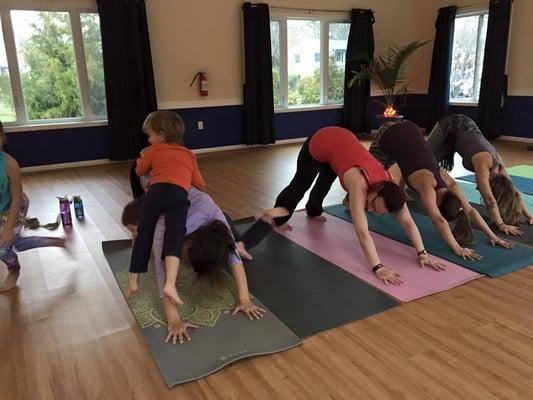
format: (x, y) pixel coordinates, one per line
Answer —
(308, 10)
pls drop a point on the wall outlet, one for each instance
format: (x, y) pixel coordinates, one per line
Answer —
(200, 125)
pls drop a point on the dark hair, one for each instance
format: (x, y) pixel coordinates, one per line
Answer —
(211, 246)
(168, 123)
(393, 196)
(131, 212)
(507, 199)
(3, 136)
(451, 209)
(447, 152)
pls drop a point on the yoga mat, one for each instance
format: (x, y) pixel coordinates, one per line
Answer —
(473, 197)
(496, 262)
(525, 185)
(221, 338)
(521, 170)
(335, 241)
(309, 294)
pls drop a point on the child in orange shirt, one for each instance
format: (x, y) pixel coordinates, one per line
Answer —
(173, 169)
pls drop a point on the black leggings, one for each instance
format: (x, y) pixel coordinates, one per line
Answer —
(307, 168)
(162, 199)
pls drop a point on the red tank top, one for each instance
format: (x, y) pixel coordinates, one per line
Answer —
(341, 149)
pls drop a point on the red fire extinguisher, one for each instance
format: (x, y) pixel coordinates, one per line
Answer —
(202, 79)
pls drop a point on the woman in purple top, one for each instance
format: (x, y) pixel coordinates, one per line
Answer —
(442, 198)
(210, 247)
(458, 133)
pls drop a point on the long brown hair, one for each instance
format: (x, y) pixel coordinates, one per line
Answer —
(451, 209)
(507, 199)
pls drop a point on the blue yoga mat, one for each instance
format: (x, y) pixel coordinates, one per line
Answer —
(473, 195)
(496, 262)
(525, 185)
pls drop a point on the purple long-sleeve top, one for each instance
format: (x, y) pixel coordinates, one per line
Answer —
(202, 210)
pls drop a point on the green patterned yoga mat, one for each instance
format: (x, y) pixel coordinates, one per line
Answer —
(221, 338)
(525, 171)
(496, 262)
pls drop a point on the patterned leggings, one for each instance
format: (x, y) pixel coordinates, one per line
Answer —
(21, 243)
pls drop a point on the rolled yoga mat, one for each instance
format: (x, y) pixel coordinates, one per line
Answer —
(221, 338)
(524, 185)
(335, 241)
(496, 262)
(308, 293)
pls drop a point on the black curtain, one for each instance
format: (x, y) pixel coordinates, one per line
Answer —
(493, 78)
(359, 52)
(258, 91)
(441, 66)
(129, 77)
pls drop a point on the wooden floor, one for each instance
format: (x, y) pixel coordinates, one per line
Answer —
(67, 333)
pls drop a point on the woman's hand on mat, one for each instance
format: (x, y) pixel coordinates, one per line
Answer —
(510, 230)
(468, 254)
(388, 276)
(249, 309)
(496, 241)
(426, 261)
(177, 331)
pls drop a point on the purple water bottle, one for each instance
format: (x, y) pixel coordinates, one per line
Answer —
(64, 210)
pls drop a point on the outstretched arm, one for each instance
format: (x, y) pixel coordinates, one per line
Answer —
(408, 224)
(482, 181)
(474, 216)
(243, 296)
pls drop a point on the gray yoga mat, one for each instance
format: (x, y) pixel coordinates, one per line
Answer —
(308, 293)
(221, 338)
(496, 262)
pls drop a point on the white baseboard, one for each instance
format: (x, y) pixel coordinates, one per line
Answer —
(516, 139)
(50, 167)
(243, 146)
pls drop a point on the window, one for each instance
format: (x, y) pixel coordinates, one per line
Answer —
(53, 71)
(308, 59)
(467, 57)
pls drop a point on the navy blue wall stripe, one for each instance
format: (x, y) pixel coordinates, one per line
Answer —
(223, 126)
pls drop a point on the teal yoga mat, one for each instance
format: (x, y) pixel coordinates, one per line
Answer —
(221, 338)
(521, 170)
(496, 262)
(525, 185)
(473, 195)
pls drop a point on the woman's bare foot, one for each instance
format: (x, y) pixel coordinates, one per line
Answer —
(285, 227)
(241, 249)
(132, 285)
(10, 282)
(276, 212)
(170, 291)
(319, 218)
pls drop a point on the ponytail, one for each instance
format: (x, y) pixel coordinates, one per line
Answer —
(462, 231)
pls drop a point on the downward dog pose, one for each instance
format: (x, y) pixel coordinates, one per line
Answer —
(458, 133)
(335, 151)
(209, 246)
(441, 196)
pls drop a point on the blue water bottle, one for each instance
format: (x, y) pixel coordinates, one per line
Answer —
(78, 207)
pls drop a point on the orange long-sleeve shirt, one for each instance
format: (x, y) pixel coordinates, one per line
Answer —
(170, 163)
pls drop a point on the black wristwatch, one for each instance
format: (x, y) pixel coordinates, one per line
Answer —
(376, 267)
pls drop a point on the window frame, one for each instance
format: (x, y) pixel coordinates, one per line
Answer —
(22, 123)
(478, 71)
(325, 19)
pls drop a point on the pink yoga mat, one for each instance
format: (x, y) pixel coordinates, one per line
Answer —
(335, 241)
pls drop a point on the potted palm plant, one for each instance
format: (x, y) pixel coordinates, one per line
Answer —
(388, 72)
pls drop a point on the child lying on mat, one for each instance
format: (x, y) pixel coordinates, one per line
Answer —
(209, 247)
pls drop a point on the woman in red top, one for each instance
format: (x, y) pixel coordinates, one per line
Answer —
(173, 169)
(335, 151)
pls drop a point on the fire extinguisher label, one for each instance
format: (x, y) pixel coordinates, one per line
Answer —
(203, 85)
